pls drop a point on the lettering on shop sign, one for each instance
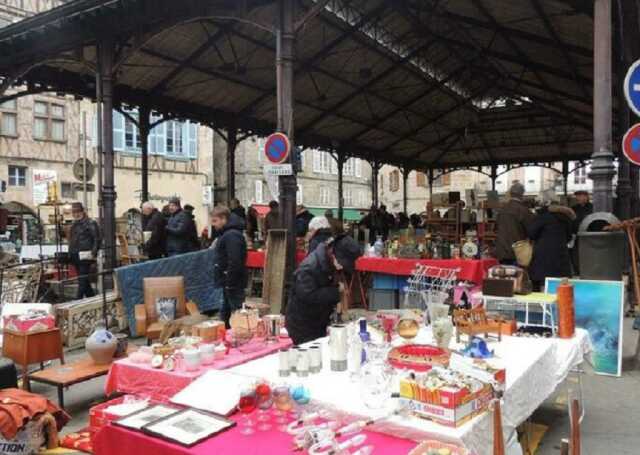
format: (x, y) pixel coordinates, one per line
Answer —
(12, 447)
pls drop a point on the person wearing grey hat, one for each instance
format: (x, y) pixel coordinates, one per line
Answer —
(180, 227)
(511, 224)
(318, 286)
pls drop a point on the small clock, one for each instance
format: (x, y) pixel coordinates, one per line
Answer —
(469, 249)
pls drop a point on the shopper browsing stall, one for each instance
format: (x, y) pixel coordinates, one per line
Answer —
(319, 232)
(317, 288)
(511, 225)
(231, 254)
(153, 225)
(84, 244)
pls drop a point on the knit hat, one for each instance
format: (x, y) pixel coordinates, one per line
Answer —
(77, 207)
(516, 190)
(174, 200)
(319, 222)
(346, 251)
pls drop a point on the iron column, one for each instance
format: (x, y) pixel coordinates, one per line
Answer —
(602, 169)
(232, 142)
(405, 177)
(144, 127)
(288, 187)
(106, 54)
(340, 159)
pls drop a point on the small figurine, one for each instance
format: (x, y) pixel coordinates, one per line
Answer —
(477, 349)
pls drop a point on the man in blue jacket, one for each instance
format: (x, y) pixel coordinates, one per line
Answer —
(179, 229)
(230, 271)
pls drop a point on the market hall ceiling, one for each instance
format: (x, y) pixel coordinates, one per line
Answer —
(427, 84)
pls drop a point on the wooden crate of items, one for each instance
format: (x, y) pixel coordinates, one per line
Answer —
(78, 319)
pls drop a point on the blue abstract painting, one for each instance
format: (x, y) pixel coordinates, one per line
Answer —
(599, 310)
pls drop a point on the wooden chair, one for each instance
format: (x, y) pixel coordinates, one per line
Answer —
(126, 258)
(475, 321)
(147, 323)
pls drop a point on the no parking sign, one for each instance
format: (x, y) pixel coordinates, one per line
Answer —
(631, 144)
(277, 148)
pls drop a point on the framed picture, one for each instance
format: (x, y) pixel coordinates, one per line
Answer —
(139, 419)
(599, 308)
(188, 427)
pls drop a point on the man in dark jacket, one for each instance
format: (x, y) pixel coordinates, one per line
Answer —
(511, 225)
(193, 231)
(303, 216)
(317, 288)
(230, 271)
(550, 230)
(154, 224)
(179, 229)
(237, 208)
(84, 243)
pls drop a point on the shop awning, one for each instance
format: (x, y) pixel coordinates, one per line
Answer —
(348, 214)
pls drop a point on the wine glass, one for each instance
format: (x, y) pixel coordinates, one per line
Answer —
(284, 403)
(246, 406)
(264, 401)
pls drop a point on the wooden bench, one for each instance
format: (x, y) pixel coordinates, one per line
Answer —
(64, 376)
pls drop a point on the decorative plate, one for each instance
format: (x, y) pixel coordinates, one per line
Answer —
(469, 249)
(417, 357)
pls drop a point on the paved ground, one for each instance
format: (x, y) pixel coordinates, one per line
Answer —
(610, 425)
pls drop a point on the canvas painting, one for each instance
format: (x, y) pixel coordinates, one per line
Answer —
(599, 308)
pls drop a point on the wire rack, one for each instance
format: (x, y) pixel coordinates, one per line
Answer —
(429, 286)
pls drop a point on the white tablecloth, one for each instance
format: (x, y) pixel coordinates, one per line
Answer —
(535, 367)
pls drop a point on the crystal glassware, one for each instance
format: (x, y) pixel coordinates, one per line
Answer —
(246, 406)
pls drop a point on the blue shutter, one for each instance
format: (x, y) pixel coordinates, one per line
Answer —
(118, 131)
(161, 139)
(193, 140)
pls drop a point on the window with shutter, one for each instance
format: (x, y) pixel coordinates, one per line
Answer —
(258, 191)
(421, 179)
(193, 140)
(118, 131)
(299, 198)
(358, 165)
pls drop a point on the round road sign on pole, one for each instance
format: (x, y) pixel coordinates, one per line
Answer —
(277, 148)
(631, 144)
(632, 87)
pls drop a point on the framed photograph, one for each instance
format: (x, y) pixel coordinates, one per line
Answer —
(148, 415)
(188, 427)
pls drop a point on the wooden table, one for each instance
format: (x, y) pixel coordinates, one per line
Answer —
(66, 375)
(26, 348)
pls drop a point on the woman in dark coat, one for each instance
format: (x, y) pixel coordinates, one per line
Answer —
(551, 231)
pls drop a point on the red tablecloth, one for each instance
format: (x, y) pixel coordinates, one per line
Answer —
(470, 269)
(255, 259)
(128, 377)
(112, 439)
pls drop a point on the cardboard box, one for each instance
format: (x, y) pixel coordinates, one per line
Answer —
(450, 407)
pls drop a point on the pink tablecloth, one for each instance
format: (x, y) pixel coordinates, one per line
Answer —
(112, 439)
(128, 377)
(472, 270)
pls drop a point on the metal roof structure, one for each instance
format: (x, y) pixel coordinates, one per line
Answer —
(419, 83)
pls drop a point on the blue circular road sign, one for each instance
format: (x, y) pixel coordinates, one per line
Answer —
(632, 87)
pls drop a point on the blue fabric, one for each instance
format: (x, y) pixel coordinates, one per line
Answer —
(196, 268)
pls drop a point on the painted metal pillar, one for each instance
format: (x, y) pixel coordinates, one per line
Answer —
(99, 153)
(494, 176)
(288, 187)
(340, 160)
(375, 175)
(106, 51)
(565, 177)
(602, 168)
(431, 178)
(405, 196)
(144, 127)
(232, 143)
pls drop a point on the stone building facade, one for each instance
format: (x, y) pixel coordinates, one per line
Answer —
(317, 183)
